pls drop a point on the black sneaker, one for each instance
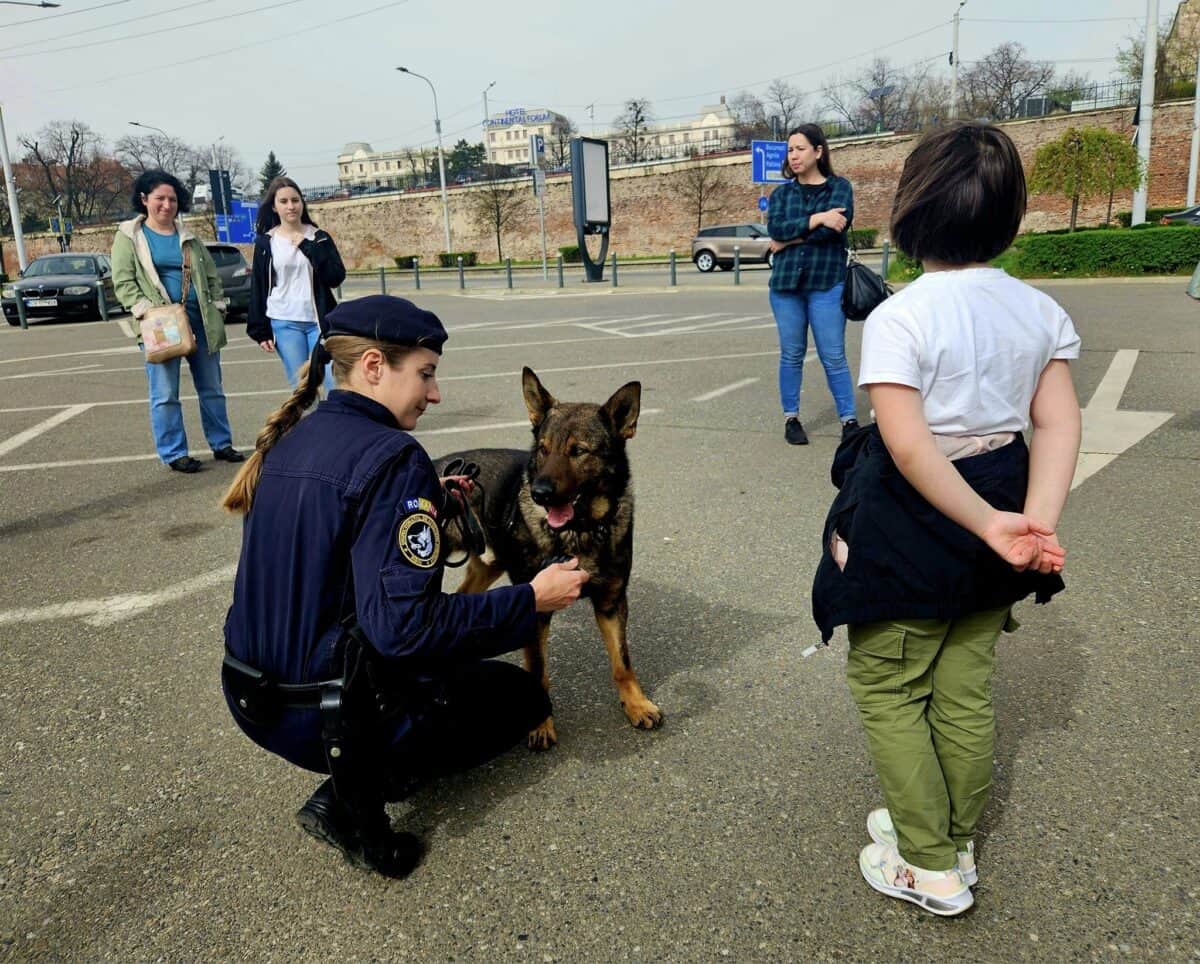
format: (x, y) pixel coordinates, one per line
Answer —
(185, 464)
(229, 454)
(793, 431)
(376, 847)
(850, 426)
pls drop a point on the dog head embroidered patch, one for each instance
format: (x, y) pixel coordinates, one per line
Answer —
(419, 540)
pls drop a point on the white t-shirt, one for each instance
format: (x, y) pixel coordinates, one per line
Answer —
(291, 297)
(974, 341)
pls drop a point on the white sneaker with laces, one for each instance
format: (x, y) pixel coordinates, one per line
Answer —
(941, 892)
(879, 826)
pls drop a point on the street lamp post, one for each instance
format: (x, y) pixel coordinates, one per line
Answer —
(437, 125)
(487, 150)
(23, 3)
(14, 209)
(954, 64)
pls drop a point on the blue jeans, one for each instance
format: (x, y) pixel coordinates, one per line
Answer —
(166, 414)
(294, 342)
(796, 312)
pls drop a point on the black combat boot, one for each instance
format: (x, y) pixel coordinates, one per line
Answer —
(365, 840)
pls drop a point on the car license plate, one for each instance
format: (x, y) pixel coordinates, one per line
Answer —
(41, 302)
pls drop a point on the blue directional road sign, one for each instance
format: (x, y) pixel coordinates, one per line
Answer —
(766, 158)
(238, 227)
(763, 203)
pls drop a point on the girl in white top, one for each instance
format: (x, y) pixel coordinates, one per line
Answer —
(296, 268)
(956, 366)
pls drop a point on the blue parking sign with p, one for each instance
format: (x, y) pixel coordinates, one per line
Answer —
(766, 159)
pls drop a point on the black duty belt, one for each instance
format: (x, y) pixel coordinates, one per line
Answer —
(256, 686)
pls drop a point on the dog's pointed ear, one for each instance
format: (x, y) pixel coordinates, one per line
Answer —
(537, 399)
(623, 409)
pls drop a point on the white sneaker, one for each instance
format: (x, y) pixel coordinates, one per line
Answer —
(879, 826)
(941, 892)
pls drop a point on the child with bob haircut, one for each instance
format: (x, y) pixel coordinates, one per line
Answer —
(945, 518)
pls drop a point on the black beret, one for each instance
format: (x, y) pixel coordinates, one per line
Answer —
(384, 318)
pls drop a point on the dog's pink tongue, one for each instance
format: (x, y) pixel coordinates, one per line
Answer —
(559, 515)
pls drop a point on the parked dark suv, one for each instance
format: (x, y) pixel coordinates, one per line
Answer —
(62, 284)
(713, 247)
(235, 277)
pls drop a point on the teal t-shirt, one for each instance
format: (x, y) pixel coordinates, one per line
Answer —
(167, 256)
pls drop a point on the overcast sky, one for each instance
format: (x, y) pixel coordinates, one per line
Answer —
(304, 77)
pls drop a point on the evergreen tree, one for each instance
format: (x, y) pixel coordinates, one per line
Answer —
(270, 170)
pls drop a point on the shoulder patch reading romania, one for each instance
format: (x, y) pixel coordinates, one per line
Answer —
(420, 540)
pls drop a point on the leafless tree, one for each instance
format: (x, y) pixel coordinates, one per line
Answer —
(73, 165)
(631, 126)
(1170, 79)
(877, 98)
(995, 87)
(558, 146)
(495, 205)
(785, 102)
(749, 118)
(702, 189)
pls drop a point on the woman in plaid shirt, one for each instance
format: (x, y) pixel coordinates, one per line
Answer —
(807, 220)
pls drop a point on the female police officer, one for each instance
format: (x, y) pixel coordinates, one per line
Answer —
(343, 655)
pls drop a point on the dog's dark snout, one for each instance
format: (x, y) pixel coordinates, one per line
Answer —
(542, 490)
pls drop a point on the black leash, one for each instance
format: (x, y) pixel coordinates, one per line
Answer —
(470, 531)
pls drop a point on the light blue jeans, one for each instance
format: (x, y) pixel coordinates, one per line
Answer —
(796, 312)
(294, 342)
(166, 414)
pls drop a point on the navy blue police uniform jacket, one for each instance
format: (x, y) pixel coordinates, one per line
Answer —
(345, 521)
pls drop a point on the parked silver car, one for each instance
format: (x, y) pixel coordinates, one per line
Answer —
(713, 247)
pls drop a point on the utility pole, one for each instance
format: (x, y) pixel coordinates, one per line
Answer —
(1146, 109)
(14, 209)
(1195, 156)
(487, 148)
(954, 64)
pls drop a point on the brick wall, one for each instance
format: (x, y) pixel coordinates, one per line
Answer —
(651, 215)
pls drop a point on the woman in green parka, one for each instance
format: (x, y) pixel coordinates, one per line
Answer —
(148, 256)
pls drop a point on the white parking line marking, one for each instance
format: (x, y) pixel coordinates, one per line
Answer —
(31, 433)
(115, 609)
(449, 378)
(1108, 432)
(420, 433)
(55, 371)
(123, 350)
(724, 390)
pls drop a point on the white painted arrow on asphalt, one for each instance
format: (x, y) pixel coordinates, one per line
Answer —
(115, 609)
(1108, 432)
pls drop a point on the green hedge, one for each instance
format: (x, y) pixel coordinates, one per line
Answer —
(449, 259)
(903, 268)
(1125, 218)
(863, 237)
(405, 261)
(1154, 250)
(570, 254)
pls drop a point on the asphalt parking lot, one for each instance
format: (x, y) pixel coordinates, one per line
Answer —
(139, 824)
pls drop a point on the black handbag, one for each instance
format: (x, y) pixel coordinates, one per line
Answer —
(864, 290)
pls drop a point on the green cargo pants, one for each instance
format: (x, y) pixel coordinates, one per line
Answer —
(924, 694)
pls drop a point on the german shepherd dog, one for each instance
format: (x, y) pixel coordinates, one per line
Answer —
(570, 495)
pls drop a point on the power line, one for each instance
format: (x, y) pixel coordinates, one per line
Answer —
(160, 30)
(1075, 20)
(228, 50)
(69, 13)
(106, 26)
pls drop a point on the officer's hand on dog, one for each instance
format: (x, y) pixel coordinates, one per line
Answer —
(558, 586)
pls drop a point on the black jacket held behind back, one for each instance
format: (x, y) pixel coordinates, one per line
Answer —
(906, 559)
(328, 273)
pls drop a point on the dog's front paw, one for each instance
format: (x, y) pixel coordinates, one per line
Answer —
(543, 737)
(642, 713)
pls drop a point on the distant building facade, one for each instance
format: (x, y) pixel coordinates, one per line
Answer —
(361, 166)
(507, 134)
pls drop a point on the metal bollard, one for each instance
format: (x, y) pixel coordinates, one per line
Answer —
(614, 269)
(737, 264)
(417, 273)
(462, 279)
(21, 311)
(672, 267)
(382, 282)
(101, 303)
(560, 271)
(508, 271)
(339, 292)
(887, 250)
